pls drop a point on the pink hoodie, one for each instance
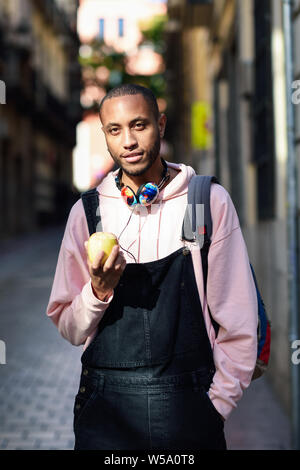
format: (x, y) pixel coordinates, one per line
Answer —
(231, 293)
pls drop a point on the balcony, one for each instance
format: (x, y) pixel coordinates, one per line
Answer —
(58, 20)
(50, 113)
(31, 97)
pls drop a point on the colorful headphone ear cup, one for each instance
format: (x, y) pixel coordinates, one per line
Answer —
(129, 196)
(147, 194)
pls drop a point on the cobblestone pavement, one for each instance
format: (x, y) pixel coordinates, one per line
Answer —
(39, 381)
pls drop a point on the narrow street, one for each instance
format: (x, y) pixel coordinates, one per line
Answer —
(39, 381)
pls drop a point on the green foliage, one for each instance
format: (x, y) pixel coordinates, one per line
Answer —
(153, 32)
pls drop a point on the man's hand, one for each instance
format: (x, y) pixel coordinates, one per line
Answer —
(105, 278)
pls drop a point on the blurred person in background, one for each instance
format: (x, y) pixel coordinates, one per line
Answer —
(154, 376)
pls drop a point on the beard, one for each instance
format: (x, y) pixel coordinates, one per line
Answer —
(152, 155)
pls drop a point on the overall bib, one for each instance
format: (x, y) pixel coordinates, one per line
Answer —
(146, 373)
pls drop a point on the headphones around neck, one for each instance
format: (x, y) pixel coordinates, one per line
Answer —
(147, 192)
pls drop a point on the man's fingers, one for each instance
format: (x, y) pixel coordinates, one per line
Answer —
(109, 263)
(123, 265)
(96, 264)
(121, 262)
(115, 260)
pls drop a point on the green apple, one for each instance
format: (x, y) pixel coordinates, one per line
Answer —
(101, 241)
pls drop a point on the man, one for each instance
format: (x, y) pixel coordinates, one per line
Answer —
(154, 375)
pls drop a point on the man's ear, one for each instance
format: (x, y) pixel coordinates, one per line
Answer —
(162, 121)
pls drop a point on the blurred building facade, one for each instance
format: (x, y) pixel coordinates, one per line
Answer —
(39, 67)
(117, 24)
(226, 59)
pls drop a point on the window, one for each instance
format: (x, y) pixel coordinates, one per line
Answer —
(263, 112)
(121, 27)
(101, 28)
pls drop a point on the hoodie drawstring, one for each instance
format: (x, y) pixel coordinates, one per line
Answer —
(158, 233)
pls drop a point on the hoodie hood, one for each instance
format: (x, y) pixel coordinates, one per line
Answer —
(175, 188)
(147, 238)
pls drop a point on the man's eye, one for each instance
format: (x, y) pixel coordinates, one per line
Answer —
(140, 125)
(113, 130)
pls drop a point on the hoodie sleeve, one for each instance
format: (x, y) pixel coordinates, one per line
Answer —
(73, 307)
(231, 297)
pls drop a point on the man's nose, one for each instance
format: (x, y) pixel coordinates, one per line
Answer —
(129, 139)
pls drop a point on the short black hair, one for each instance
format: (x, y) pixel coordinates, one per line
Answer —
(132, 89)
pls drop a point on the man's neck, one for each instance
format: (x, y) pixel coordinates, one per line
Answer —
(171, 171)
(153, 174)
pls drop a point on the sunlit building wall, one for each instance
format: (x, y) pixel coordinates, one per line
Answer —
(245, 85)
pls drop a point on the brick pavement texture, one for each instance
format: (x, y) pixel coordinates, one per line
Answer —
(39, 381)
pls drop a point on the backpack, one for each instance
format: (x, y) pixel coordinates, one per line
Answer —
(198, 193)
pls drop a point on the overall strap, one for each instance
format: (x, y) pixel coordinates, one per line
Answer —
(90, 201)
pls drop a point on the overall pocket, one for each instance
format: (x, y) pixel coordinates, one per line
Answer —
(190, 421)
(87, 392)
(212, 407)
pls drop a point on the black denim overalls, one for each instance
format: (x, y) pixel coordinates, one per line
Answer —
(146, 372)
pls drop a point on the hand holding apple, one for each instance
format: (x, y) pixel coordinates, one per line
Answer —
(105, 262)
(101, 241)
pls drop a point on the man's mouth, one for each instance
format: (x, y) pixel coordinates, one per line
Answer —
(133, 157)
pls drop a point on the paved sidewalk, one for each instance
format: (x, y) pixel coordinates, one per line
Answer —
(39, 381)
(258, 423)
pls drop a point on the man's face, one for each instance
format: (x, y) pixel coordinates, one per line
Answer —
(132, 133)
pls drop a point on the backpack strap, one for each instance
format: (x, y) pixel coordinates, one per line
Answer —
(199, 193)
(90, 201)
